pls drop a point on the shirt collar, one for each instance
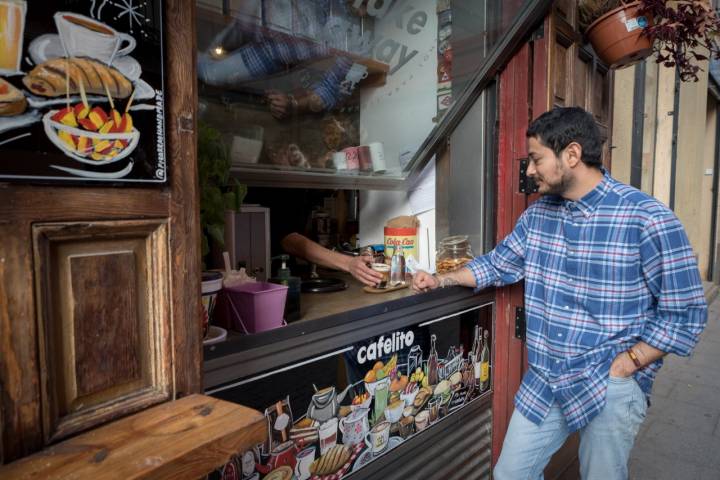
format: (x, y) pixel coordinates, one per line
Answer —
(592, 199)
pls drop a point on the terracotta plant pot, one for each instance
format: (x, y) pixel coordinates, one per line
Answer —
(617, 36)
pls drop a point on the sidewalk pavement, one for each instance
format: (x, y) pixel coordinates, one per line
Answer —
(680, 438)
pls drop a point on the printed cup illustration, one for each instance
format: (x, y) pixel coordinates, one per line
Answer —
(83, 36)
(328, 435)
(421, 420)
(394, 411)
(385, 271)
(354, 427)
(377, 157)
(371, 387)
(304, 459)
(377, 438)
(12, 29)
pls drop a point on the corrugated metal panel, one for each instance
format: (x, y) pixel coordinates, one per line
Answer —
(456, 448)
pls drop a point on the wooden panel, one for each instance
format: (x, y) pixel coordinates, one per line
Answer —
(181, 134)
(102, 291)
(97, 277)
(600, 105)
(582, 75)
(562, 73)
(21, 206)
(187, 438)
(566, 10)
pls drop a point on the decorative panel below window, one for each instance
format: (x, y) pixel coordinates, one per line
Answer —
(102, 301)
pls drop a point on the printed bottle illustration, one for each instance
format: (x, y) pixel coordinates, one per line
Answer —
(485, 364)
(475, 355)
(433, 364)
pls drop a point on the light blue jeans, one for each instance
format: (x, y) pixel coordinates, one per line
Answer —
(605, 443)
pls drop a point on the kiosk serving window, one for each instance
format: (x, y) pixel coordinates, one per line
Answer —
(337, 91)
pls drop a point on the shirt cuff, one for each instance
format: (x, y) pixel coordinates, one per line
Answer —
(481, 272)
(669, 339)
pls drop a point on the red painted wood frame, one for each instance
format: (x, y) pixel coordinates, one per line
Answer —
(523, 95)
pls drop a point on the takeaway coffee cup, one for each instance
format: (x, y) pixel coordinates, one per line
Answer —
(377, 157)
(83, 36)
(385, 270)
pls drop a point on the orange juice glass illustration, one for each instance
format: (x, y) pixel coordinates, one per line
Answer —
(12, 28)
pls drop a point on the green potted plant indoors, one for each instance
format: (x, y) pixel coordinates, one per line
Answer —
(680, 33)
(218, 192)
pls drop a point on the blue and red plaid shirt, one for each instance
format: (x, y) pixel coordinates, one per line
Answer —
(601, 274)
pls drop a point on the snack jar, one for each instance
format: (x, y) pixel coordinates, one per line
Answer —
(453, 253)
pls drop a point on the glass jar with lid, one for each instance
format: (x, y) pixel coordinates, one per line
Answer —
(453, 253)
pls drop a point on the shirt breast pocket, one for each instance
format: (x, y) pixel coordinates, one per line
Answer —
(614, 288)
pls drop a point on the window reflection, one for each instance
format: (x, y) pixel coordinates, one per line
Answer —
(348, 87)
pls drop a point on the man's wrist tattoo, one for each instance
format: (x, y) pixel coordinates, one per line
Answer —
(447, 282)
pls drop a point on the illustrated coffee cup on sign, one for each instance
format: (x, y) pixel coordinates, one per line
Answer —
(83, 36)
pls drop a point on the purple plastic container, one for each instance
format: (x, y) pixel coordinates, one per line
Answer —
(257, 306)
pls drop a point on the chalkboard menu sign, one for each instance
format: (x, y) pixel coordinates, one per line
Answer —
(81, 91)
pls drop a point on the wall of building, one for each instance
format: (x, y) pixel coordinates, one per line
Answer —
(687, 186)
(707, 184)
(622, 123)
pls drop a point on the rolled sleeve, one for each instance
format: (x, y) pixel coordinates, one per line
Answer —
(672, 275)
(505, 264)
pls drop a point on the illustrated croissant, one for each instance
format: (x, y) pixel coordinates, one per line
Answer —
(49, 78)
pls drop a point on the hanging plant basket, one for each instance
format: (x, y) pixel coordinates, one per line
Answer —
(617, 36)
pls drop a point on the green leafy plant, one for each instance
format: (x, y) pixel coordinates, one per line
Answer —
(218, 190)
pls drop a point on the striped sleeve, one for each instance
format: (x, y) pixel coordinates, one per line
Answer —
(672, 276)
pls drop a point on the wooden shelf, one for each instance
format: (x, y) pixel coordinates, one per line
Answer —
(186, 438)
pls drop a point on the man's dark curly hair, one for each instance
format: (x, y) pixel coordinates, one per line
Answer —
(561, 126)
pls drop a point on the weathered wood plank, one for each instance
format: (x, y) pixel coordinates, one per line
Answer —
(181, 87)
(186, 438)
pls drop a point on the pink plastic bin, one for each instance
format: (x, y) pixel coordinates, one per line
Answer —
(257, 306)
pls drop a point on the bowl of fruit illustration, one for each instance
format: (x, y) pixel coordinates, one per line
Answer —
(91, 135)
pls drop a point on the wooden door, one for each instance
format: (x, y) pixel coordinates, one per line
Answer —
(552, 69)
(577, 77)
(100, 286)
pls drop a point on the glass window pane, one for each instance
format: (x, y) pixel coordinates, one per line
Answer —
(341, 87)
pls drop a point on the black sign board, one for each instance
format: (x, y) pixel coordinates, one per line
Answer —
(81, 91)
(331, 415)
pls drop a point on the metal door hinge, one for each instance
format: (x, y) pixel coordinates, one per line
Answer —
(520, 324)
(526, 184)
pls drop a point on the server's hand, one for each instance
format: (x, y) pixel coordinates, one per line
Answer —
(423, 282)
(358, 268)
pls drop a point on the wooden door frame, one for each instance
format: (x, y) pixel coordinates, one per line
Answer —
(177, 201)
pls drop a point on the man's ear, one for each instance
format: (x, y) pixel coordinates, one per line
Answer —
(574, 154)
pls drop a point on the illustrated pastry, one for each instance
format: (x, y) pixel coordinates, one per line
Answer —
(49, 78)
(331, 461)
(12, 100)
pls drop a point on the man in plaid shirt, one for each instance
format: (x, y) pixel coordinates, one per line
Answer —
(611, 286)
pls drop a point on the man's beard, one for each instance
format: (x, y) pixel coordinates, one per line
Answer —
(561, 186)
